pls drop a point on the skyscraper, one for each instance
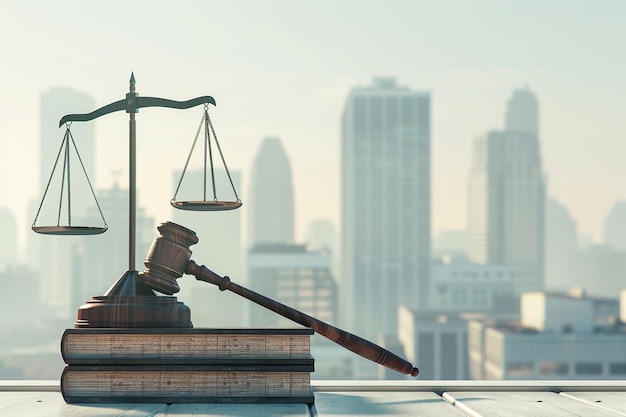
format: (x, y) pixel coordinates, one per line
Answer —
(522, 113)
(507, 195)
(8, 243)
(561, 246)
(55, 252)
(385, 207)
(615, 226)
(295, 276)
(271, 208)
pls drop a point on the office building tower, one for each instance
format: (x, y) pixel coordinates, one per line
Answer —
(507, 200)
(615, 226)
(100, 260)
(8, 243)
(219, 248)
(561, 246)
(55, 252)
(271, 207)
(385, 206)
(522, 113)
(292, 275)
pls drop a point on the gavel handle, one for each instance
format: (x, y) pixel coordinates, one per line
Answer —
(356, 344)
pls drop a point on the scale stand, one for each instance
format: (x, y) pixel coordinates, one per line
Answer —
(129, 302)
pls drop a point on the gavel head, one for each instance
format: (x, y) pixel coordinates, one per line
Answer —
(168, 258)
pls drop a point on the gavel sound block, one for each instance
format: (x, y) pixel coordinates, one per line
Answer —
(169, 258)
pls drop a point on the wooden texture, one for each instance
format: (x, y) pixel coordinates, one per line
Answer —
(405, 404)
(175, 384)
(179, 346)
(612, 401)
(522, 404)
(133, 311)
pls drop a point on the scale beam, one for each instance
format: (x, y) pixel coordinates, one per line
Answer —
(132, 102)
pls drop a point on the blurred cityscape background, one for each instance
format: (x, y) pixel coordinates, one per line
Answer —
(511, 287)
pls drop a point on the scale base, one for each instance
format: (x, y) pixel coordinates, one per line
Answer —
(131, 304)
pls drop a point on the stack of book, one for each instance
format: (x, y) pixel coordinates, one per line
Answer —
(187, 365)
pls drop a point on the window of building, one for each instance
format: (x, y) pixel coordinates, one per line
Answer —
(618, 368)
(519, 369)
(553, 368)
(589, 368)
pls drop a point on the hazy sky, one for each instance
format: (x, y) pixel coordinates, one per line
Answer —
(284, 68)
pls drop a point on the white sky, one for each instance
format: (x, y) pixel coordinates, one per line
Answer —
(284, 68)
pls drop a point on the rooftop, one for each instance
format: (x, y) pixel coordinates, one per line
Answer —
(358, 398)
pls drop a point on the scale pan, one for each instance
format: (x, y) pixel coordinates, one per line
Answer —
(69, 230)
(203, 205)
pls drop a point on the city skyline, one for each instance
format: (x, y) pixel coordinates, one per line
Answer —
(266, 83)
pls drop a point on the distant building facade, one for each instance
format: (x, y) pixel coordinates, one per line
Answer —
(560, 336)
(522, 112)
(385, 206)
(270, 198)
(561, 247)
(437, 342)
(615, 226)
(459, 286)
(507, 195)
(294, 276)
(9, 242)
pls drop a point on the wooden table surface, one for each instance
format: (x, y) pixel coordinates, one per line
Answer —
(390, 400)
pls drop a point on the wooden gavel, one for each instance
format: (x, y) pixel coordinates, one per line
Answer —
(170, 257)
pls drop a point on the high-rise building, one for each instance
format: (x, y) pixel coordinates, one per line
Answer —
(561, 246)
(271, 207)
(385, 206)
(522, 113)
(507, 198)
(54, 253)
(615, 226)
(8, 243)
(294, 276)
(219, 248)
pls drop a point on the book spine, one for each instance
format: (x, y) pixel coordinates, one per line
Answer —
(184, 384)
(192, 348)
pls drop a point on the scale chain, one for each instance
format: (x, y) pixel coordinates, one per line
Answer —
(208, 144)
(87, 178)
(219, 148)
(51, 175)
(193, 145)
